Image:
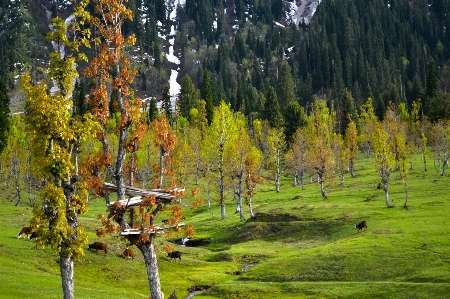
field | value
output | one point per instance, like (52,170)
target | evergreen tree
(4,114)
(166,104)
(207,96)
(285,85)
(271,111)
(432,85)
(79,94)
(295,119)
(153,112)
(187,97)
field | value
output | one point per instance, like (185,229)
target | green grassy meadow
(298,246)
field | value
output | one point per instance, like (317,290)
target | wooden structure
(136,194)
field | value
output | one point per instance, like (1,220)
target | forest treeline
(391,51)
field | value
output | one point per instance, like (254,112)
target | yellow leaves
(131,40)
(82,56)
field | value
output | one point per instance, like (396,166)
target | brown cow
(99,246)
(128,253)
(26,230)
(361,225)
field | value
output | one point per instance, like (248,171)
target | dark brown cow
(25,231)
(362,225)
(128,253)
(99,246)
(174,255)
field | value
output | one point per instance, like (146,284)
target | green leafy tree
(276,145)
(15,161)
(440,141)
(367,125)
(320,155)
(218,147)
(296,158)
(384,159)
(4,114)
(351,135)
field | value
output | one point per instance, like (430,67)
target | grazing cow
(33,236)
(128,253)
(99,246)
(174,255)
(25,231)
(362,225)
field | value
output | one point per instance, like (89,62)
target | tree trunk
(352,170)
(277,183)
(250,208)
(406,198)
(161,164)
(386,195)
(295,178)
(444,165)
(302,180)
(322,190)
(66,267)
(149,253)
(239,194)
(121,154)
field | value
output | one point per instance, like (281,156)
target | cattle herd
(129,253)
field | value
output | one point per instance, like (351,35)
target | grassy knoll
(297,246)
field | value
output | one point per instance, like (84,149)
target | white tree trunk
(149,253)
(66,268)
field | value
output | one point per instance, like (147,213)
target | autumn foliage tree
(56,138)
(110,67)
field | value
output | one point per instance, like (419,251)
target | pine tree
(187,97)
(271,111)
(285,86)
(166,104)
(207,96)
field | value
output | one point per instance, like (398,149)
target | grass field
(297,246)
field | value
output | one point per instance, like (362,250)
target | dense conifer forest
(392,51)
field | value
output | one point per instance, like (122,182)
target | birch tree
(218,146)
(384,159)
(352,146)
(276,145)
(441,144)
(296,158)
(320,155)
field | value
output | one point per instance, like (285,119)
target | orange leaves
(108,227)
(189,231)
(195,192)
(197,203)
(148,201)
(169,247)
